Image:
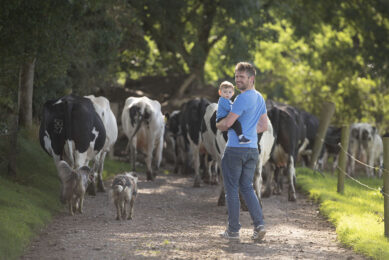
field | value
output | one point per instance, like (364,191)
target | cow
(103,109)
(215,142)
(330,148)
(72,131)
(175,143)
(290,133)
(144,126)
(192,114)
(365,140)
(311,123)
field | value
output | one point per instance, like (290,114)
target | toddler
(226,91)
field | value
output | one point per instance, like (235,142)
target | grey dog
(73,185)
(124,191)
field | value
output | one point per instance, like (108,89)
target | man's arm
(262,124)
(227,122)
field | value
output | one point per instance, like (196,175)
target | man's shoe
(259,233)
(244,140)
(234,236)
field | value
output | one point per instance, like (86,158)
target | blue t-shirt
(249,105)
(223,107)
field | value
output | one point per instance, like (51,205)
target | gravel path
(173,220)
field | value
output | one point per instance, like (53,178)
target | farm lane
(173,220)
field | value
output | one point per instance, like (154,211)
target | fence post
(386,184)
(327,111)
(343,158)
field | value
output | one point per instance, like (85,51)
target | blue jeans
(238,166)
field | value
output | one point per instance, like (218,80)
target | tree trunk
(26,86)
(12,145)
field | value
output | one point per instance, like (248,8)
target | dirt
(173,220)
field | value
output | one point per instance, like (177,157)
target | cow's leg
(100,184)
(133,153)
(353,151)
(222,197)
(292,180)
(334,163)
(258,180)
(70,204)
(149,158)
(269,183)
(370,162)
(196,161)
(158,152)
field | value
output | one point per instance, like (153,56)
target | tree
(185,31)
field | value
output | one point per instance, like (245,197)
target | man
(239,160)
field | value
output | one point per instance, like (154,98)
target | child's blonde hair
(226,84)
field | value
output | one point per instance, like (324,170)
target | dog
(124,191)
(73,185)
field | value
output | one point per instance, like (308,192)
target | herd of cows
(79,131)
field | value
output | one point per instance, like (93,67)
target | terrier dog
(124,191)
(73,185)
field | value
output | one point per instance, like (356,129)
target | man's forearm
(262,124)
(221,125)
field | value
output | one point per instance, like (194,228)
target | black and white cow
(144,126)
(176,148)
(365,141)
(71,130)
(311,123)
(290,133)
(192,113)
(215,142)
(103,109)
(330,148)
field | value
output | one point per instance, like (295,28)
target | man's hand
(262,124)
(226,123)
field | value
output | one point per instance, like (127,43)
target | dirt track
(173,220)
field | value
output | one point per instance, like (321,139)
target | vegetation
(357,215)
(28,202)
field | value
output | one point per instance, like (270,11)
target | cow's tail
(139,121)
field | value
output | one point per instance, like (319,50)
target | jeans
(238,166)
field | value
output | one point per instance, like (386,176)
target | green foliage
(357,215)
(28,201)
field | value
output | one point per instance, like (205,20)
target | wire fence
(351,157)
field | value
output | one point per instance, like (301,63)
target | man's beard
(242,87)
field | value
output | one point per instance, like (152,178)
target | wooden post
(327,111)
(343,158)
(386,184)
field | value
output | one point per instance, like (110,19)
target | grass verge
(357,215)
(29,200)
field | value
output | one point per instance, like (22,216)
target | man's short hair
(226,84)
(246,67)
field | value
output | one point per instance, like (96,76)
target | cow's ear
(374,130)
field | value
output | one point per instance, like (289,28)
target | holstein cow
(144,126)
(290,133)
(192,114)
(175,143)
(311,123)
(215,142)
(103,109)
(330,148)
(365,140)
(71,130)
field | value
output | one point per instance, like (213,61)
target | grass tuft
(357,215)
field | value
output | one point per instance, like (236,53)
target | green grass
(357,215)
(29,200)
